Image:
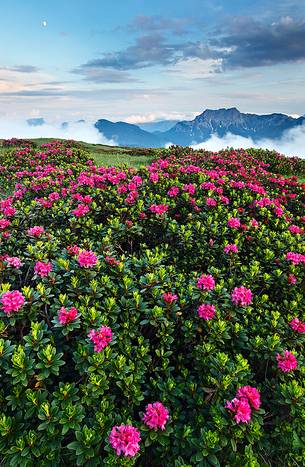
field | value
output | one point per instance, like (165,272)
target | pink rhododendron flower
(9,211)
(295,258)
(206,311)
(12,301)
(154,177)
(241,296)
(81,210)
(168,297)
(252,394)
(87,259)
(158,208)
(125,439)
(206,282)
(54,196)
(286,362)
(241,409)
(13,261)
(42,269)
(100,338)
(67,316)
(211,202)
(297,325)
(234,223)
(4,223)
(231,248)
(36,231)
(73,249)
(292,279)
(173,191)
(295,229)
(254,223)
(156,416)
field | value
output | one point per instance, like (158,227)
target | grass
(113,155)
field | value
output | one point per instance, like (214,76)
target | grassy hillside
(112,155)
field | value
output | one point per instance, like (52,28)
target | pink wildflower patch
(287,361)
(87,259)
(297,325)
(251,394)
(292,279)
(234,223)
(13,261)
(295,258)
(125,439)
(206,311)
(173,191)
(100,338)
(4,223)
(231,248)
(241,409)
(168,297)
(156,416)
(42,269)
(206,282)
(67,316)
(36,231)
(158,208)
(81,210)
(241,296)
(12,301)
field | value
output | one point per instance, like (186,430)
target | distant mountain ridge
(211,122)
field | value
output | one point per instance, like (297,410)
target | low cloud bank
(80,131)
(292,143)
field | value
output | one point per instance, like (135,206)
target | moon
(44,23)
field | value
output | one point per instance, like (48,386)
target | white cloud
(78,131)
(155,116)
(292,143)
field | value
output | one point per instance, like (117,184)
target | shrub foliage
(181,284)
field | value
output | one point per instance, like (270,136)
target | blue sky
(143,61)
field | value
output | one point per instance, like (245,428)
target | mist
(79,131)
(291,144)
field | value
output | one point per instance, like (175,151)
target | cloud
(156,116)
(248,43)
(292,143)
(241,42)
(80,131)
(21,69)
(147,51)
(155,23)
(103,75)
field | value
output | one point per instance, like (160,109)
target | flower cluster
(12,301)
(100,338)
(247,398)
(67,316)
(241,296)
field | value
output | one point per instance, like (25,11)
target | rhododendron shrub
(151,317)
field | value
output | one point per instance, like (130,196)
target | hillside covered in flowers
(151,317)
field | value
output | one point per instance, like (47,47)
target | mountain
(126,134)
(35,121)
(223,121)
(210,122)
(161,125)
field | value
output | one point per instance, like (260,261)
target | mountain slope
(219,122)
(126,134)
(223,121)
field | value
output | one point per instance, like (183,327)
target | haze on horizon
(134,60)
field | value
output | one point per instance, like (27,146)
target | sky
(143,61)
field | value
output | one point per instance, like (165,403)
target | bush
(181,283)
(17,142)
